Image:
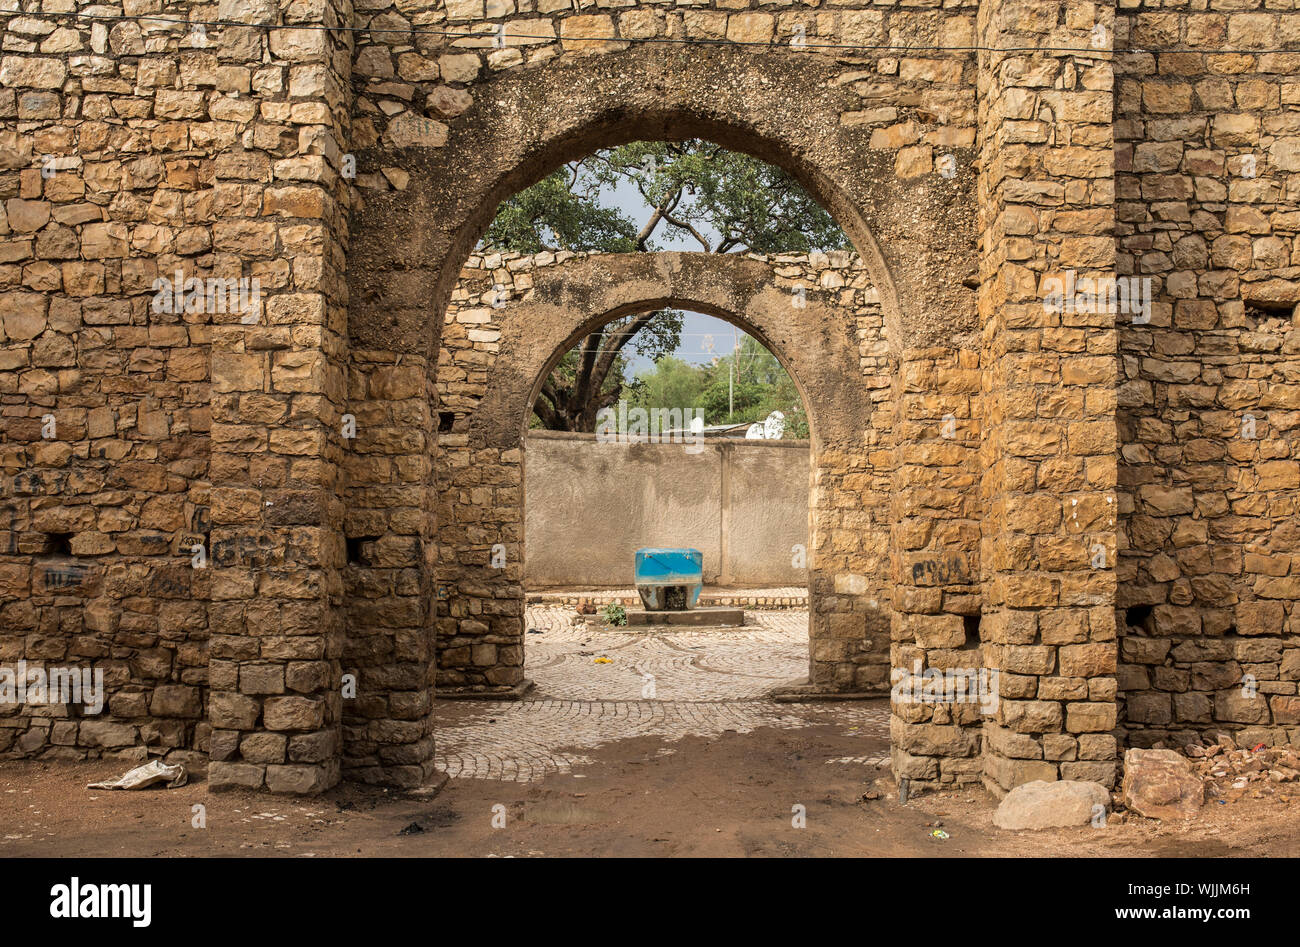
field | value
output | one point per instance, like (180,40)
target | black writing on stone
(64,577)
(263,551)
(940,571)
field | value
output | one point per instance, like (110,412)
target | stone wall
(935,513)
(448,124)
(1136,575)
(102,509)
(1207,183)
(389,528)
(133,149)
(591,504)
(1048,440)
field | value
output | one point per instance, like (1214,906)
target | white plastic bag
(155,771)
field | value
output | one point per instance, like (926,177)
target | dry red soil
(733,796)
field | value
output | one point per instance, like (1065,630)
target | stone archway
(820,319)
(333,538)
(429,190)
(861,133)
(913,229)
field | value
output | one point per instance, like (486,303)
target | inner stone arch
(830,336)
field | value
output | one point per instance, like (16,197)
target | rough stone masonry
(233,510)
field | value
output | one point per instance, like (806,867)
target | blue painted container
(669,579)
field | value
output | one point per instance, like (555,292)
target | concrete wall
(588,506)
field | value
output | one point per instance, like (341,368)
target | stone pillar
(277,404)
(387,727)
(848,613)
(480,468)
(1046,206)
(935,561)
(848,535)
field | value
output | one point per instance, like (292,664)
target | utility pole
(731,368)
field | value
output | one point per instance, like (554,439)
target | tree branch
(689,228)
(582,383)
(548,391)
(648,229)
(615,342)
(550,420)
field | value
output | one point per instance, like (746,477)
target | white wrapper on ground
(155,771)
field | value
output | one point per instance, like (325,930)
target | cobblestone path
(596,686)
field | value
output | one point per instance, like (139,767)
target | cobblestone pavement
(567,658)
(788,596)
(596,686)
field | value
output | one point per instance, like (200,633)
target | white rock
(1044,805)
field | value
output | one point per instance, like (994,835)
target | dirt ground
(731,796)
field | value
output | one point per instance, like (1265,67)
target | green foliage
(730,400)
(759,386)
(564,375)
(669,383)
(562,382)
(614,614)
(721,200)
(578,387)
(660,336)
(551,215)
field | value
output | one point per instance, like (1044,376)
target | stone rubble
(1231,773)
(1160,784)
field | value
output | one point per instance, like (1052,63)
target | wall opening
(696,194)
(698,448)
(1139,616)
(358,549)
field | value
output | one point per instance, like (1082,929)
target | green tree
(670,383)
(743,388)
(722,200)
(560,212)
(693,190)
(591,375)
